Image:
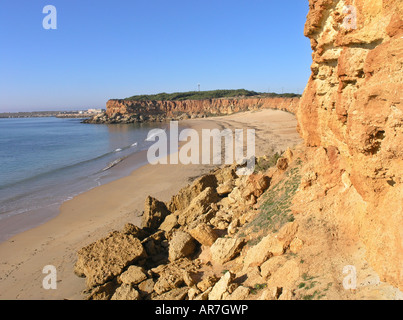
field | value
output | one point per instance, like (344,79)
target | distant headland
(80,114)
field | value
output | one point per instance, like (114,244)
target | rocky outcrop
(126,111)
(353,106)
(162,260)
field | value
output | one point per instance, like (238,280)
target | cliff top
(214,94)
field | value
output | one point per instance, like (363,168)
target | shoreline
(92,214)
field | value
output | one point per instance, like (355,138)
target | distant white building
(94,110)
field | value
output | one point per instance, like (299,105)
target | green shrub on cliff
(201,95)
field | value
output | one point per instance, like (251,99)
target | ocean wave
(64,168)
(113,163)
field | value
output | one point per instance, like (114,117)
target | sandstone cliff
(126,111)
(352,107)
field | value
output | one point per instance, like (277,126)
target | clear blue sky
(115,49)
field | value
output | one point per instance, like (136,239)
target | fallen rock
(235,196)
(199,206)
(225,188)
(226,174)
(169,224)
(225,249)
(204,295)
(102,292)
(204,234)
(135,231)
(282,164)
(193,293)
(185,196)
(169,281)
(240,293)
(105,259)
(174,275)
(126,292)
(182,245)
(133,275)
(221,286)
(154,247)
(207,282)
(146,287)
(271,245)
(154,213)
(256,185)
(175,294)
(271,293)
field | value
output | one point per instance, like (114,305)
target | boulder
(105,259)
(146,287)
(153,245)
(135,231)
(226,174)
(174,275)
(182,245)
(282,164)
(169,281)
(256,185)
(126,292)
(102,292)
(225,188)
(240,293)
(175,294)
(185,196)
(207,282)
(271,293)
(154,213)
(169,224)
(271,245)
(199,206)
(204,295)
(204,234)
(133,275)
(221,287)
(225,249)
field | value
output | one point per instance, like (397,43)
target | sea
(46,161)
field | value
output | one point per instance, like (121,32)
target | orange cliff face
(127,111)
(353,106)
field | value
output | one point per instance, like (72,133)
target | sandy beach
(91,215)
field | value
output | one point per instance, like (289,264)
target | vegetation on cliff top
(215,94)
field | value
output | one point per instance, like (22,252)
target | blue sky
(115,49)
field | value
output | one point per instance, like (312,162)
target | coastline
(91,215)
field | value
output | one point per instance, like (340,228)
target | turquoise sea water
(45,161)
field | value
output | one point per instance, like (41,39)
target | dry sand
(91,215)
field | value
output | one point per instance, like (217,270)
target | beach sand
(93,214)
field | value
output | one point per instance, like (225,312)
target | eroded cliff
(352,108)
(126,111)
